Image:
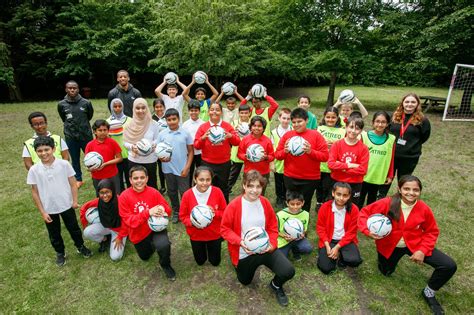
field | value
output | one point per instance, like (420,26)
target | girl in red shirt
(337,230)
(257,127)
(205,243)
(414,233)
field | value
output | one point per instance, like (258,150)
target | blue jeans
(75,147)
(302,246)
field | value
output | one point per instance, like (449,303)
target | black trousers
(155,241)
(324,190)
(369,191)
(161,175)
(444,266)
(207,250)
(221,176)
(151,169)
(349,255)
(54,230)
(401,166)
(275,261)
(195,164)
(235,169)
(304,186)
(123,174)
(280,188)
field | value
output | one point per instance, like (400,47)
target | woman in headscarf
(142,126)
(101,220)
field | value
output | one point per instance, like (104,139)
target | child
(236,163)
(116,133)
(76,112)
(347,109)
(200,96)
(349,158)
(54,192)
(39,123)
(136,205)
(231,111)
(381,149)
(172,100)
(257,110)
(205,243)
(294,203)
(191,126)
(304,102)
(337,231)
(111,153)
(414,233)
(256,136)
(110,228)
(253,210)
(301,173)
(176,168)
(332,131)
(277,166)
(159,117)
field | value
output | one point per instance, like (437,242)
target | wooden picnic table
(432,101)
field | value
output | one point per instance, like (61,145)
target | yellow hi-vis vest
(31,149)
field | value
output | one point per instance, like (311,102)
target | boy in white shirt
(191,126)
(172,99)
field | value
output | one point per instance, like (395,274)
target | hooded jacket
(76,114)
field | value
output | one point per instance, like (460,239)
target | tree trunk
(14,92)
(332,88)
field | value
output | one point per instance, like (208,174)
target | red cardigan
(231,227)
(122,230)
(325,225)
(419,232)
(134,210)
(341,154)
(216,201)
(305,166)
(219,153)
(263,167)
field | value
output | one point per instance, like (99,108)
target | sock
(429,292)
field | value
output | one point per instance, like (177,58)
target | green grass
(31,282)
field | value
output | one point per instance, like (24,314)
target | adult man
(124,91)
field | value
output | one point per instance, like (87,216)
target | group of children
(339,161)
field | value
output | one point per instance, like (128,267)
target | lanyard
(403,127)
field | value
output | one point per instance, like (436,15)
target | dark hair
(358,122)
(174,86)
(396,202)
(284,110)
(346,186)
(244,108)
(293,195)
(387,118)
(158,101)
(71,82)
(171,112)
(299,113)
(43,140)
(356,114)
(137,168)
(122,70)
(194,104)
(260,119)
(254,175)
(331,109)
(304,96)
(200,89)
(99,123)
(201,169)
(219,104)
(35,115)
(231,99)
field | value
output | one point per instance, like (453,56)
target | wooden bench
(432,102)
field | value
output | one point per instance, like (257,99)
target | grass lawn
(32,283)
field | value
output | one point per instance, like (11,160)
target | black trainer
(60,259)
(105,244)
(162,190)
(433,303)
(84,251)
(280,294)
(170,273)
(297,256)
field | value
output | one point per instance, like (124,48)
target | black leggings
(323,192)
(370,191)
(204,250)
(305,186)
(54,230)
(158,241)
(444,266)
(275,261)
(349,254)
(221,176)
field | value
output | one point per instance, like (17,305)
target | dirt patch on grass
(364,298)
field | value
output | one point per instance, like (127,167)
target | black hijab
(109,211)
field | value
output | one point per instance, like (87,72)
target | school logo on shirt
(140,206)
(348,157)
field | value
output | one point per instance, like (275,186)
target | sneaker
(60,259)
(104,244)
(280,294)
(170,273)
(341,264)
(433,303)
(297,256)
(162,190)
(79,183)
(84,251)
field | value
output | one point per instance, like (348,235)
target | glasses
(39,124)
(105,193)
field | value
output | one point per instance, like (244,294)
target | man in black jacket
(124,91)
(76,112)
